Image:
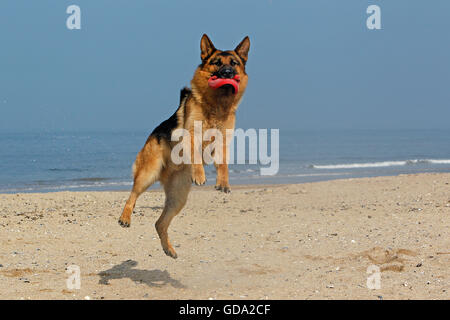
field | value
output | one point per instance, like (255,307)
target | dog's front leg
(198,172)
(221,164)
(222,178)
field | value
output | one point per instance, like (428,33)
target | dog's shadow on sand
(152,278)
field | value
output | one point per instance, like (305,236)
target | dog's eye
(234,63)
(216,62)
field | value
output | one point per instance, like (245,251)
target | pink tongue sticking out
(214,82)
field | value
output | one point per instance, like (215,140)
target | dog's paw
(198,181)
(123,223)
(170,252)
(225,189)
(199,178)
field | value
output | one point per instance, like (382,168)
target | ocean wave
(66,169)
(91,185)
(442,161)
(92,179)
(62,187)
(381,164)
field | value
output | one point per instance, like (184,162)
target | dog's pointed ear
(242,49)
(206,47)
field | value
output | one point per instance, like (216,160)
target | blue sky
(313,64)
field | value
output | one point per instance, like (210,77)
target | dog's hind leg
(176,187)
(146,170)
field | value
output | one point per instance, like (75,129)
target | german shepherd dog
(218,85)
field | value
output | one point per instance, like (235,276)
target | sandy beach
(303,241)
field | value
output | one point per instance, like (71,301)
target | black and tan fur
(216,109)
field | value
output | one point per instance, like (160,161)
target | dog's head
(221,75)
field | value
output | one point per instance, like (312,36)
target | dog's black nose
(227,72)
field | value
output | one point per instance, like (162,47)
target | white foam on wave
(68,187)
(442,161)
(90,185)
(381,164)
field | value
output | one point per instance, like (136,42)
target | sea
(97,161)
